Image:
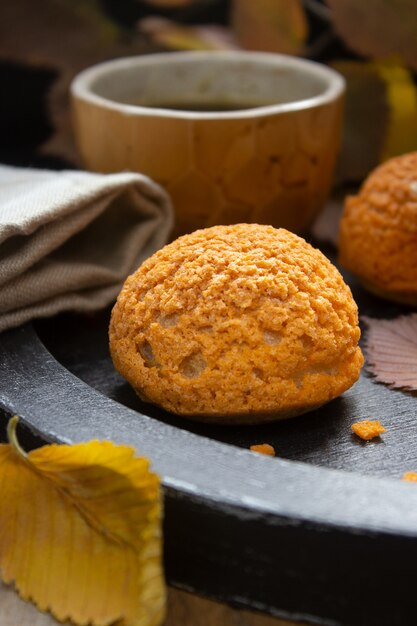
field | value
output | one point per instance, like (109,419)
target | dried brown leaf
(378,28)
(391,350)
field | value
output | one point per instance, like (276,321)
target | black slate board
(302,540)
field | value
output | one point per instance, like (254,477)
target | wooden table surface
(184,609)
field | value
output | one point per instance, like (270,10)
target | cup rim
(81,85)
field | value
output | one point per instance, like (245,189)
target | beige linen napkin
(69,239)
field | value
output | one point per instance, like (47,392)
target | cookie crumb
(368,429)
(263,448)
(410,476)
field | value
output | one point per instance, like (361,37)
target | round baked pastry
(237,324)
(378,233)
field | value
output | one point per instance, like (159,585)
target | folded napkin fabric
(69,239)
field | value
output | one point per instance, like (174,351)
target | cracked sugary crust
(237,324)
(378,235)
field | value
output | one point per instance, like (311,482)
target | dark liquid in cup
(201,107)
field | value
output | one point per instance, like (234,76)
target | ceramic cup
(271,162)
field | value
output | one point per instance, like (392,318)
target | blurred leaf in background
(64,36)
(366,118)
(175,36)
(378,28)
(380,115)
(270,25)
(401,89)
(169,3)
(373,43)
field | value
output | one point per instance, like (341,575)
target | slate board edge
(263,510)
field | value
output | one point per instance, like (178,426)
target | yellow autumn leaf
(80,532)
